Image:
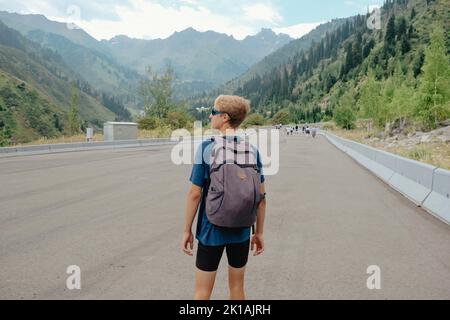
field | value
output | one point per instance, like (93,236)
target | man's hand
(187,245)
(257,244)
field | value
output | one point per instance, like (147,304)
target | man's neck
(228,131)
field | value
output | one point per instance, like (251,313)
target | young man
(227,115)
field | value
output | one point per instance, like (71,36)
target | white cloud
(262,12)
(150,20)
(191,2)
(298,30)
(28,7)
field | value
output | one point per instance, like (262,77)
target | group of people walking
(305,129)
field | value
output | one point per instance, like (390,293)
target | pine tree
(413,14)
(403,35)
(357,52)
(389,38)
(348,64)
(418,63)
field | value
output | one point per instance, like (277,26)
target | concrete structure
(425,185)
(79,146)
(438,202)
(90,134)
(115,131)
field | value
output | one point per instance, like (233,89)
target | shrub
(344,116)
(255,119)
(178,119)
(148,123)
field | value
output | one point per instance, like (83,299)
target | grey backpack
(234,192)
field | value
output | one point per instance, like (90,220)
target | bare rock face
(425,138)
(446,123)
(413,138)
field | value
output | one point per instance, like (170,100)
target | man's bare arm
(193,200)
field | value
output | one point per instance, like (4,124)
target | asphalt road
(118,215)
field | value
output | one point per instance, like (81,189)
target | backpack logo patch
(242,175)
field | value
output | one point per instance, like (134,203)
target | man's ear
(226,117)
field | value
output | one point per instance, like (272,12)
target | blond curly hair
(236,107)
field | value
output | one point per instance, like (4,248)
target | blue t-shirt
(207,233)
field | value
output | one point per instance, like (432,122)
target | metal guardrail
(427,186)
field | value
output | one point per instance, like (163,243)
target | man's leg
(207,262)
(236,283)
(204,284)
(237,260)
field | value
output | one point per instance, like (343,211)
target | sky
(152,19)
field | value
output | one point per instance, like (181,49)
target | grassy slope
(26,112)
(57,90)
(98,69)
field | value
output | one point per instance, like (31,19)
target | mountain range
(209,58)
(49,59)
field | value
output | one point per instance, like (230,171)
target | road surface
(118,215)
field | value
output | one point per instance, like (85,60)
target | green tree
(389,38)
(403,35)
(344,114)
(399,99)
(148,123)
(348,64)
(178,119)
(4,137)
(418,63)
(369,102)
(74,119)
(57,123)
(255,119)
(157,92)
(435,82)
(281,117)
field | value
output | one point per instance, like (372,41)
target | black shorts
(208,257)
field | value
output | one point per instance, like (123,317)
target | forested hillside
(285,54)
(36,76)
(393,76)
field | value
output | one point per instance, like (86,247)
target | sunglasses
(215,112)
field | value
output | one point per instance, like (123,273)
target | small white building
(115,131)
